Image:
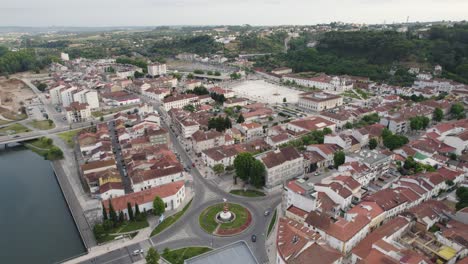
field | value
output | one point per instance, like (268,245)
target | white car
(137,252)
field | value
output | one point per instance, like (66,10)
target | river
(36,224)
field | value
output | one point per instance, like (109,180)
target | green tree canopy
(158,206)
(152,256)
(338,158)
(438,114)
(373,143)
(218,168)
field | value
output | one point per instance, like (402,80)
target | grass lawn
(169,221)
(131,226)
(105,238)
(248,193)
(68,137)
(42,125)
(14,129)
(207,217)
(272,223)
(179,255)
(4,122)
(126,227)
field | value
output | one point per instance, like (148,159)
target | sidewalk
(270,243)
(143,235)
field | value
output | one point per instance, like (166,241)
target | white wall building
(156,69)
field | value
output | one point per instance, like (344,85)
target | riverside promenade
(76,210)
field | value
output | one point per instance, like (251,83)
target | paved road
(118,157)
(187,232)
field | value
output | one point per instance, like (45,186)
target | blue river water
(36,224)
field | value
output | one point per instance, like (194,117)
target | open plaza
(262,91)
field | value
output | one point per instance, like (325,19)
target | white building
(146,179)
(172,194)
(156,94)
(67,96)
(77,112)
(157,69)
(322,82)
(56,94)
(179,101)
(64,56)
(87,96)
(319,101)
(282,165)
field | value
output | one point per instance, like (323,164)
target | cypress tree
(130,211)
(137,212)
(112,214)
(121,217)
(104,213)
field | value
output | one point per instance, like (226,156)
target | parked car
(267,213)
(254,238)
(137,252)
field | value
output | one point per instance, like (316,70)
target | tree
(138,215)
(101,118)
(152,256)
(242,164)
(395,141)
(453,156)
(158,206)
(458,111)
(112,214)
(235,76)
(462,195)
(121,217)
(284,99)
(348,125)
(373,143)
(138,74)
(104,214)
(54,153)
(41,87)
(98,230)
(190,76)
(130,212)
(189,108)
(438,114)
(227,123)
(338,158)
(257,174)
(240,119)
(386,132)
(218,168)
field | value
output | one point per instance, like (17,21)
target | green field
(179,255)
(42,125)
(170,220)
(68,137)
(14,129)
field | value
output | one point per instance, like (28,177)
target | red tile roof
(342,230)
(145,196)
(363,248)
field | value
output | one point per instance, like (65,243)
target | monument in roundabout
(225,216)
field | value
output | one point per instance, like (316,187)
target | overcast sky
(223,12)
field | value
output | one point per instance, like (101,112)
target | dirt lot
(13,93)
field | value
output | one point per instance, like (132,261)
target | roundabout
(225,219)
